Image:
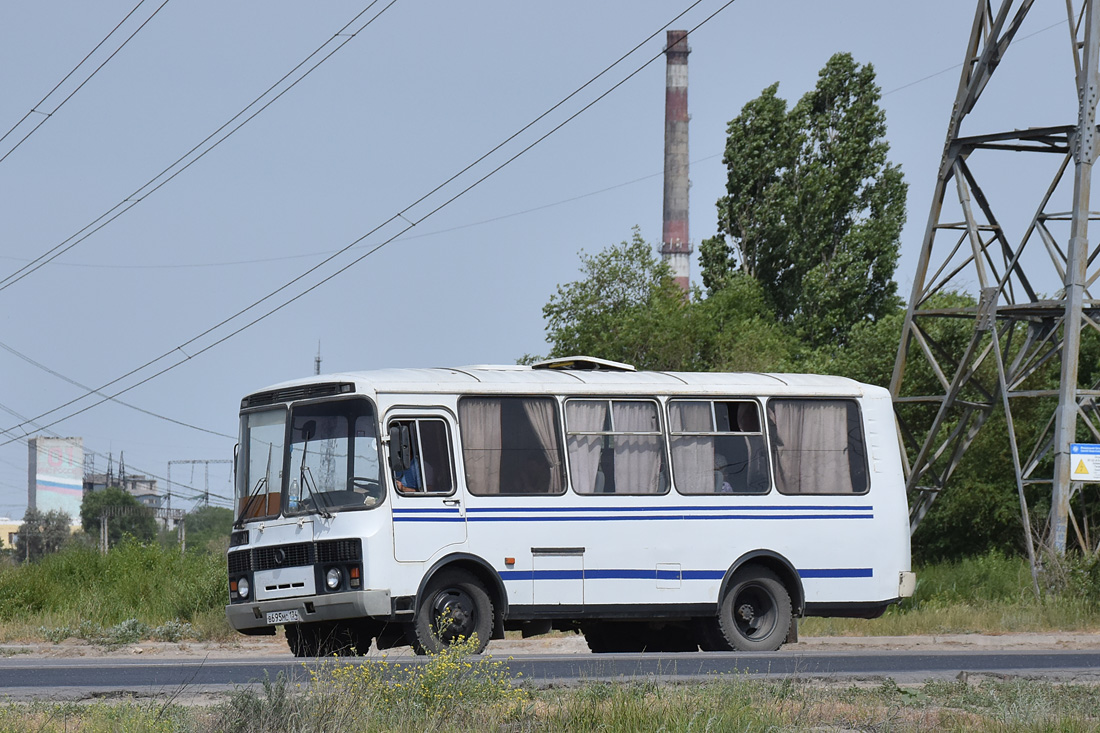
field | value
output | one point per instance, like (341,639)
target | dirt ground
(275,646)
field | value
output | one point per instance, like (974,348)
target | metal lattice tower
(1008,337)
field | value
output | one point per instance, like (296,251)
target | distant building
(55,470)
(136,485)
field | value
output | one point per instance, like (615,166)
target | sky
(354,153)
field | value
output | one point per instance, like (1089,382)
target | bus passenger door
(429,513)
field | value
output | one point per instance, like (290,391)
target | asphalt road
(31,678)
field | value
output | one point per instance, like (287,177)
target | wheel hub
(746,611)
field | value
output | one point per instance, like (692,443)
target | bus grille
(283,556)
(240,562)
(339,551)
(296,555)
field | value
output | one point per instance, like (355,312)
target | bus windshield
(334,459)
(260,472)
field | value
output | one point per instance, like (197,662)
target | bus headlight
(332,578)
(242,588)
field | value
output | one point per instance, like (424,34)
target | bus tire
(708,632)
(455,606)
(755,614)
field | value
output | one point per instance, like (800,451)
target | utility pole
(1017,338)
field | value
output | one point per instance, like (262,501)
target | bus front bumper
(307,609)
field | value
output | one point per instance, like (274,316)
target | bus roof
(496,379)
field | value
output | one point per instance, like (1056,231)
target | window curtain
(585,416)
(811,446)
(481,444)
(637,457)
(693,463)
(541,415)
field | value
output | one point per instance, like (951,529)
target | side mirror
(309,429)
(400,448)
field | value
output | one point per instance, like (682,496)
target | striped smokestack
(675,244)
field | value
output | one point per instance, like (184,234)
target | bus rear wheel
(755,613)
(455,607)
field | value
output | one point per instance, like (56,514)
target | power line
(149,188)
(956,67)
(48,115)
(399,215)
(90,390)
(471,224)
(435,233)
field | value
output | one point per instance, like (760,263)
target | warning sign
(1084,462)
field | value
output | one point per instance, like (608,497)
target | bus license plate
(283,617)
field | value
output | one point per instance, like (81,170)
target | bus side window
(718,447)
(615,447)
(818,446)
(430,470)
(511,445)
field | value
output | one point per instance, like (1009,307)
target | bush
(133,587)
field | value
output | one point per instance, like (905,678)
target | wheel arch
(483,571)
(779,565)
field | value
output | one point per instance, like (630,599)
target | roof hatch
(585,364)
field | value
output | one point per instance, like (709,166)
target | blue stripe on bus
(668,517)
(630,574)
(836,573)
(694,508)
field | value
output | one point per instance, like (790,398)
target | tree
(627,308)
(813,209)
(139,525)
(208,525)
(42,533)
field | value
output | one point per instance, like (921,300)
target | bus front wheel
(455,607)
(755,614)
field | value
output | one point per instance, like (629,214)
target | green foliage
(813,209)
(453,690)
(138,525)
(147,583)
(627,308)
(42,533)
(208,528)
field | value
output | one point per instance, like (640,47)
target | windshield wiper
(303,470)
(306,477)
(248,502)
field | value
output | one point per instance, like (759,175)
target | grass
(134,592)
(354,698)
(139,592)
(991,594)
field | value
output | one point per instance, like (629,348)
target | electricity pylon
(1002,345)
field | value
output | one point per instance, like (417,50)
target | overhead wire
(483,221)
(48,115)
(138,196)
(399,215)
(90,390)
(25,439)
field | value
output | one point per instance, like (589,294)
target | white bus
(652,511)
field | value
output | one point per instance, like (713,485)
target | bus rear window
(511,445)
(818,446)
